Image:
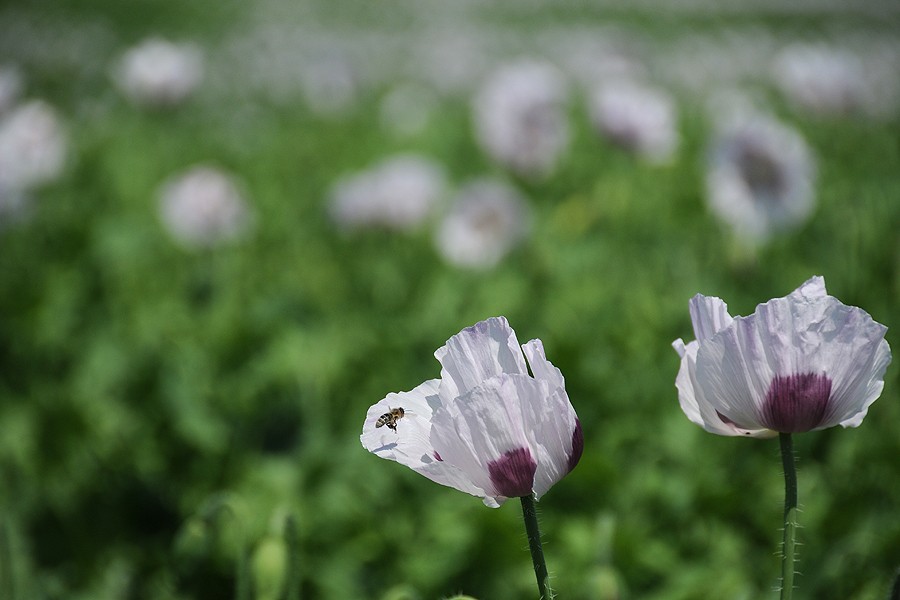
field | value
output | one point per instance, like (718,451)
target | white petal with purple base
(798,363)
(488,427)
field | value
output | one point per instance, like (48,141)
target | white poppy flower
(520,117)
(203,206)
(485,221)
(760,177)
(829,80)
(32,146)
(487,427)
(159,73)
(638,118)
(33,149)
(799,363)
(398,193)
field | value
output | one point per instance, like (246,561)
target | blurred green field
(164,412)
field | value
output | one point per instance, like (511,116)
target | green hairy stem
(790,515)
(529,514)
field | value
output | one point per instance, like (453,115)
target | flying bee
(390,418)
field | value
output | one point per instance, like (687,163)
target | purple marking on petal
(513,473)
(728,421)
(796,403)
(438,456)
(577,445)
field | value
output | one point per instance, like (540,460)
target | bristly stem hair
(534,544)
(790,515)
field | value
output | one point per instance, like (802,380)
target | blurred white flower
(32,147)
(760,177)
(832,81)
(33,151)
(398,193)
(520,117)
(10,87)
(487,427)
(798,363)
(486,220)
(159,73)
(637,117)
(202,207)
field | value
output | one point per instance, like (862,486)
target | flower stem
(292,586)
(243,582)
(7,570)
(790,515)
(529,514)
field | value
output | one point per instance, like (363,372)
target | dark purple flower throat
(513,473)
(796,403)
(577,445)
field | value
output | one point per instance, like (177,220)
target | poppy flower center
(763,175)
(513,473)
(796,403)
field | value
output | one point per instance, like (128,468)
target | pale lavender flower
(158,73)
(485,221)
(637,117)
(203,207)
(32,146)
(760,177)
(520,117)
(399,193)
(799,363)
(489,426)
(827,80)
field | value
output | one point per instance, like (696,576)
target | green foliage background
(163,412)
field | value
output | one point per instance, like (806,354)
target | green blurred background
(165,412)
